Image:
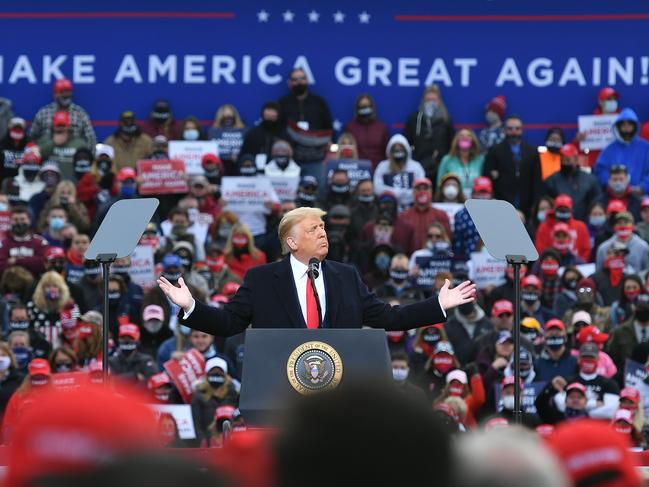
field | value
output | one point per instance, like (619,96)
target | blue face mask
(23,356)
(191,134)
(540,215)
(575,413)
(127,191)
(57,223)
(597,220)
(382,261)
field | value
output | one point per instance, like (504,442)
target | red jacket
(371,139)
(421,220)
(578,229)
(28,251)
(240,266)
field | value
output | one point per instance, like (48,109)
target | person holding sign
(280,294)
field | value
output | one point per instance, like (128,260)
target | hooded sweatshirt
(634,154)
(399,183)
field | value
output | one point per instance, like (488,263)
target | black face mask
(514,139)
(216,380)
(248,170)
(466,309)
(553,147)
(530,298)
(399,155)
(30,174)
(129,129)
(270,125)
(19,229)
(340,188)
(563,215)
(555,343)
(127,348)
(104,166)
(81,167)
(570,284)
(282,161)
(398,275)
(365,112)
(299,90)
(18,325)
(566,169)
(172,277)
(431,338)
(641,314)
(306,199)
(160,117)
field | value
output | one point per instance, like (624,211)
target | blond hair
(291,219)
(51,278)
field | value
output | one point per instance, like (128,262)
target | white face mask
(5,362)
(508,402)
(400,374)
(450,191)
(609,106)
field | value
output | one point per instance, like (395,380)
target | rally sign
(161,177)
(182,414)
(191,152)
(185,372)
(247,194)
(229,142)
(485,270)
(430,266)
(530,391)
(357,170)
(285,187)
(142,264)
(635,375)
(598,130)
(5,223)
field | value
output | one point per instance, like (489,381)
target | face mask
(104,166)
(423,198)
(597,220)
(340,188)
(530,298)
(172,277)
(3,206)
(239,241)
(450,191)
(508,403)
(641,315)
(23,356)
(17,134)
(52,294)
(365,112)
(127,348)
(129,129)
(30,174)
(563,215)
(566,169)
(553,147)
(555,343)
(299,90)
(63,367)
(114,297)
(160,117)
(365,198)
(248,170)
(400,375)
(399,155)
(227,121)
(127,191)
(587,366)
(282,161)
(609,106)
(456,390)
(5,363)
(92,272)
(162,396)
(39,382)
(398,275)
(382,261)
(308,197)
(270,125)
(466,309)
(64,101)
(216,380)
(152,326)
(561,246)
(465,144)
(430,108)
(492,118)
(525,373)
(631,294)
(81,167)
(56,223)
(120,270)
(191,134)
(570,284)
(443,363)
(574,413)
(623,428)
(617,186)
(624,232)
(19,229)
(540,215)
(513,139)
(18,325)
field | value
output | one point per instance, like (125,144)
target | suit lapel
(285,288)
(333,287)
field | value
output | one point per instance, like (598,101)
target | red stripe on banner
(477,126)
(520,18)
(116,15)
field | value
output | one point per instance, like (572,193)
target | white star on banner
(262,16)
(339,17)
(288,16)
(337,125)
(364,17)
(313,16)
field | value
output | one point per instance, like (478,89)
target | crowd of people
(585,302)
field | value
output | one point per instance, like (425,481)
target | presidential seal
(314,367)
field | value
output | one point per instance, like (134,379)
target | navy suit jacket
(268,299)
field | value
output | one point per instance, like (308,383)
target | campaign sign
(182,413)
(69,381)
(357,170)
(142,264)
(598,130)
(161,177)
(191,152)
(285,187)
(185,372)
(635,376)
(247,194)
(229,142)
(5,223)
(530,391)
(485,270)
(430,266)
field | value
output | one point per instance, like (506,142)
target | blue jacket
(633,154)
(547,369)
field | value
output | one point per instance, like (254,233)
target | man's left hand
(460,294)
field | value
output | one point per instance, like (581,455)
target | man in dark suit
(515,168)
(280,295)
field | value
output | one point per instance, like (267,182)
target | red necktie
(311,306)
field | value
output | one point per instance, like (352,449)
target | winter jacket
(28,251)
(582,187)
(578,231)
(371,139)
(128,153)
(547,369)
(467,173)
(430,138)
(421,220)
(79,123)
(465,345)
(637,258)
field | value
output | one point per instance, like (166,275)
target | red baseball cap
(39,366)
(498,422)
(591,334)
(158,380)
(211,158)
(563,200)
(590,449)
(576,386)
(531,280)
(607,92)
(568,150)
(644,203)
(510,381)
(561,227)
(129,330)
(498,105)
(94,423)
(502,306)
(419,181)
(126,173)
(224,412)
(61,119)
(555,323)
(544,430)
(230,288)
(615,206)
(630,393)
(63,84)
(482,183)
(86,329)
(54,253)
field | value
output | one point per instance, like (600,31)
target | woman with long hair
(227,117)
(88,344)
(191,129)
(371,134)
(240,251)
(222,228)
(622,308)
(65,195)
(10,376)
(464,160)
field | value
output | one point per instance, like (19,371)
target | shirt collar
(299,269)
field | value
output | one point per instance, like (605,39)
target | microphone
(314,266)
(313,272)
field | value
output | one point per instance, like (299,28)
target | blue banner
(549,59)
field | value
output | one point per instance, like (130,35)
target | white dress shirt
(301,278)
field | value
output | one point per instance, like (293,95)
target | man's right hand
(559,383)
(179,295)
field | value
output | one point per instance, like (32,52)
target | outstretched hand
(460,294)
(179,295)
